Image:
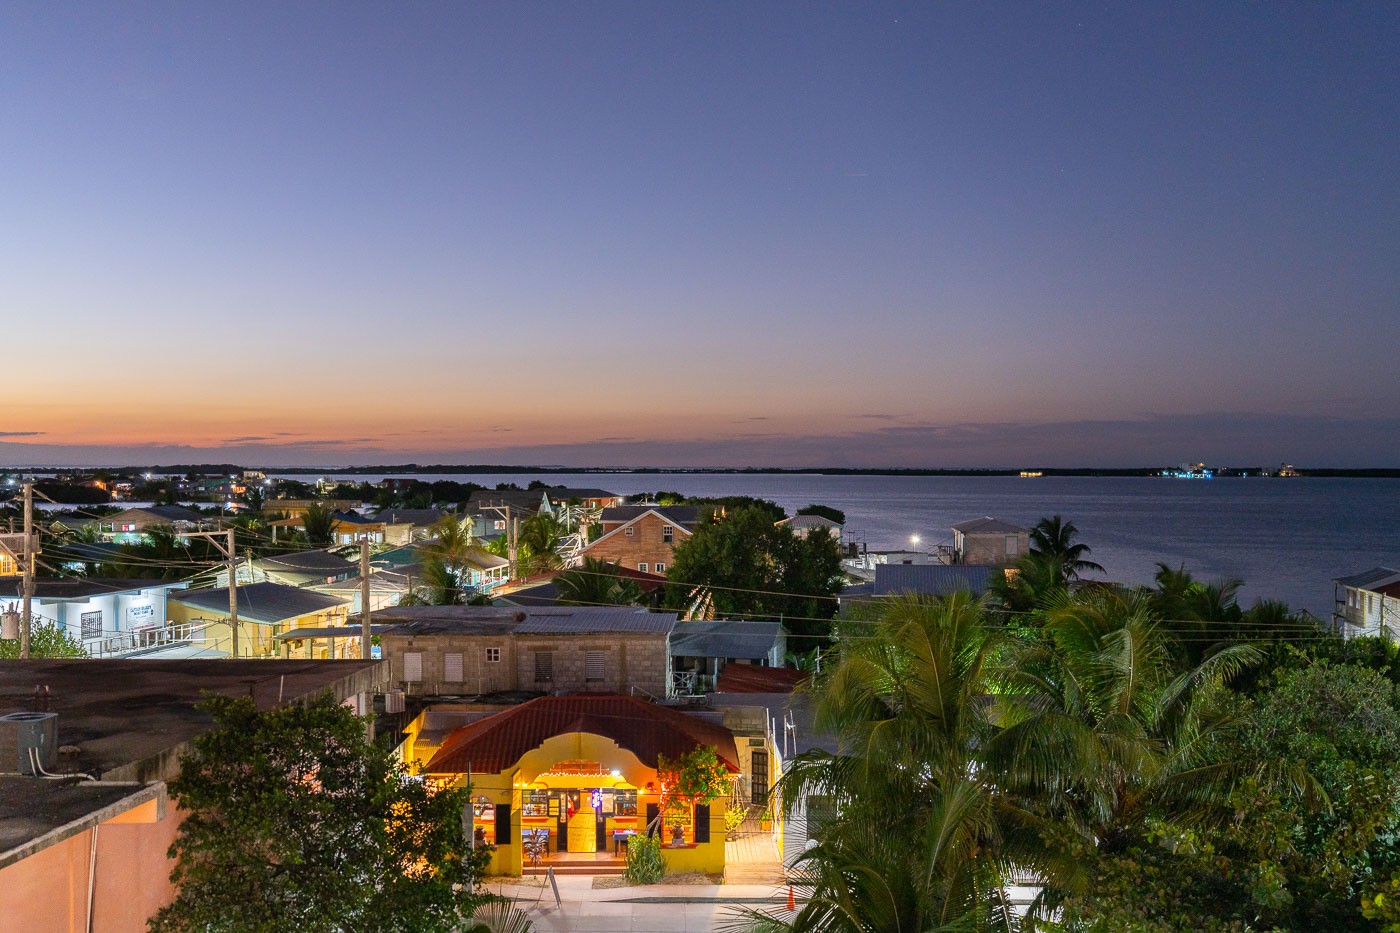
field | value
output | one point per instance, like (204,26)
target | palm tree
(540,537)
(597,583)
(922,838)
(1055,537)
(318,522)
(1105,729)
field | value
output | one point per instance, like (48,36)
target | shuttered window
(544,667)
(452,667)
(413,666)
(593,666)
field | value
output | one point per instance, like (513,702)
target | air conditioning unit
(19,732)
(394,701)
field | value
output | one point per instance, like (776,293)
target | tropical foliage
(1154,759)
(597,582)
(295,821)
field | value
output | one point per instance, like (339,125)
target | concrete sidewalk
(652,908)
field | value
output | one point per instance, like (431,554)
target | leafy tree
(749,566)
(825,511)
(46,640)
(1054,537)
(296,822)
(597,583)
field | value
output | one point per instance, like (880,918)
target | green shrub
(644,864)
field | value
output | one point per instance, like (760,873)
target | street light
(914,540)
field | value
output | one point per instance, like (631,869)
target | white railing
(122,643)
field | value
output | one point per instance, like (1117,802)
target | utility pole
(231,558)
(232,595)
(512,533)
(26,614)
(364,598)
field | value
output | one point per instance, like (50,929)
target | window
(625,803)
(534,803)
(413,666)
(642,566)
(660,567)
(628,531)
(493,655)
(499,524)
(1012,546)
(544,667)
(593,666)
(667,533)
(452,667)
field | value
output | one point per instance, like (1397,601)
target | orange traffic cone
(792,901)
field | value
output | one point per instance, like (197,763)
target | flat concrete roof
(131,720)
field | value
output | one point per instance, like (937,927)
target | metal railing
(122,643)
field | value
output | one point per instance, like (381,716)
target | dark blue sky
(722,234)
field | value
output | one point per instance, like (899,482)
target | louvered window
(452,667)
(413,666)
(544,667)
(593,666)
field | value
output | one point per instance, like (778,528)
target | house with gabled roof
(265,610)
(130,525)
(1368,603)
(803,525)
(564,782)
(989,541)
(643,537)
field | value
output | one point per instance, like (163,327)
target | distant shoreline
(469,469)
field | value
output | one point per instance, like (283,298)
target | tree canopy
(294,821)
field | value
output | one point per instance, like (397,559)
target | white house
(109,617)
(1368,603)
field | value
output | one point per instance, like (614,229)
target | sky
(684,234)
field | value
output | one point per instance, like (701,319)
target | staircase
(611,866)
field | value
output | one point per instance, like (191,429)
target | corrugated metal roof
(987,525)
(1376,576)
(724,639)
(751,678)
(261,602)
(493,744)
(306,560)
(930,579)
(526,620)
(680,514)
(587,620)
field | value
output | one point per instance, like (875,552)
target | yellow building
(565,782)
(265,610)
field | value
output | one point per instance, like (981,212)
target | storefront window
(535,803)
(625,803)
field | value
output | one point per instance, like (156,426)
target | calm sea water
(1287,539)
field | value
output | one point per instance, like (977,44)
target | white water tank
(20,732)
(9,625)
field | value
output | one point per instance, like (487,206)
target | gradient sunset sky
(709,234)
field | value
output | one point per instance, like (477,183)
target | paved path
(652,908)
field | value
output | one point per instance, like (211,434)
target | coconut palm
(540,538)
(1055,537)
(923,838)
(597,583)
(1104,728)
(318,522)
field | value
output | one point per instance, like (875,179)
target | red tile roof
(753,678)
(495,743)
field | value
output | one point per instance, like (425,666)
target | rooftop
(1376,576)
(495,743)
(261,602)
(931,579)
(312,561)
(751,678)
(987,525)
(86,588)
(680,514)
(130,720)
(416,621)
(719,638)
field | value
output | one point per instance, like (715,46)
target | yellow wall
(254,638)
(509,786)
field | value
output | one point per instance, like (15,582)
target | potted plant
(765,819)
